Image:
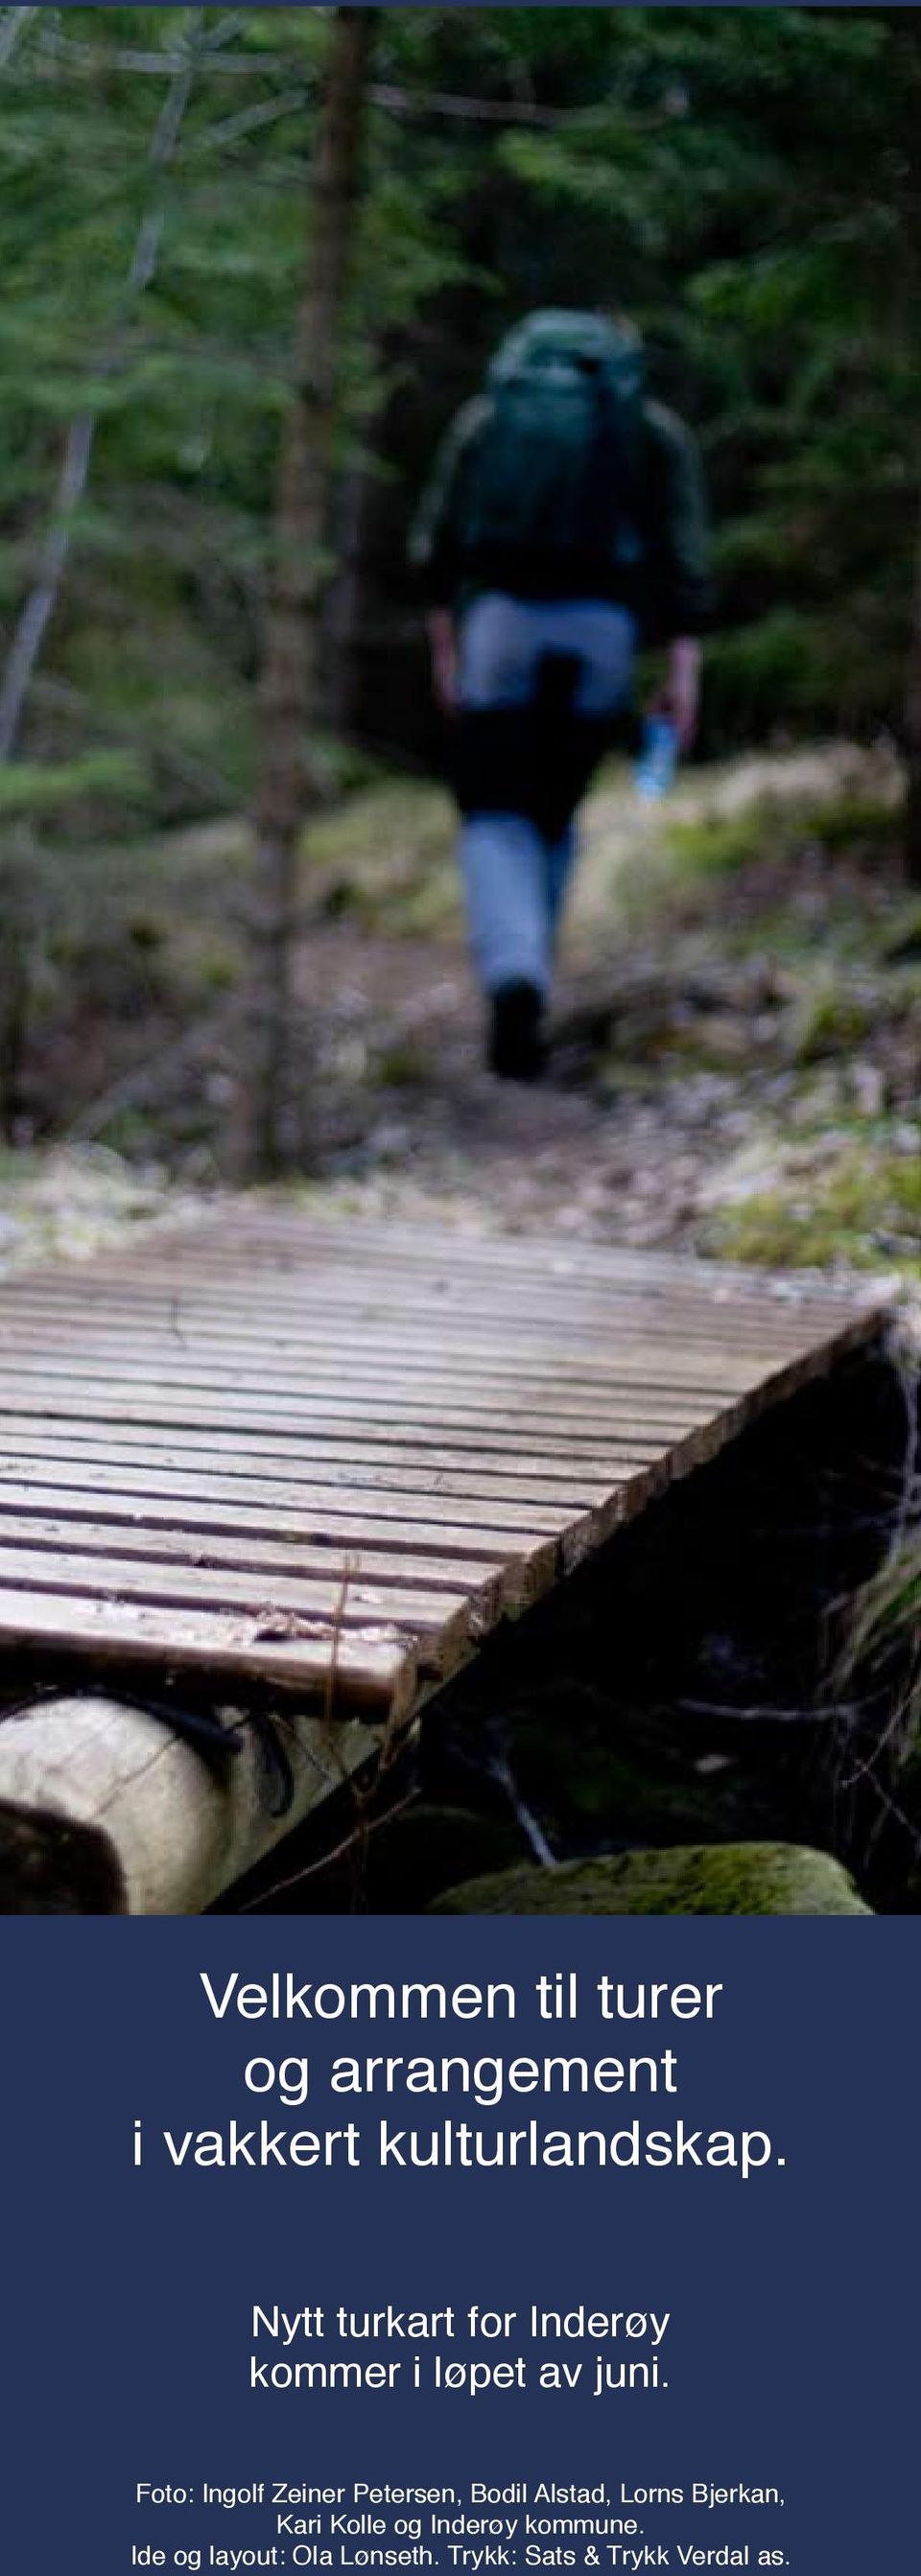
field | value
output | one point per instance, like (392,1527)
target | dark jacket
(670,589)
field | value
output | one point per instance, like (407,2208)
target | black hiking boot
(517,1047)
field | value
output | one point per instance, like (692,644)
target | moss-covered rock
(701,1878)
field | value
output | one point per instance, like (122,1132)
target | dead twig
(340,1851)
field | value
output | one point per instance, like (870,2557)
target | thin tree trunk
(913,736)
(39,607)
(13,25)
(289,692)
(17,877)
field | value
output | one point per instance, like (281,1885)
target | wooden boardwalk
(331,1457)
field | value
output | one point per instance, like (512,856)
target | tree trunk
(17,880)
(289,692)
(54,551)
(13,25)
(913,736)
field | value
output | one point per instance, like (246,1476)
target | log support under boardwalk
(104,1810)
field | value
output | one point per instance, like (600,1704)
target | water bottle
(658,760)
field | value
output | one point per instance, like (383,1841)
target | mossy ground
(866,1209)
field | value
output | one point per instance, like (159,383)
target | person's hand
(444,659)
(679,700)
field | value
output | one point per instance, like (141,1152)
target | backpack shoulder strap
(437,515)
(677,520)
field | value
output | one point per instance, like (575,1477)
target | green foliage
(632,156)
(771,669)
(846,822)
(881,1639)
(385,856)
(719,845)
(860,1211)
(31,788)
(830,1021)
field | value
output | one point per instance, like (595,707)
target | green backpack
(547,499)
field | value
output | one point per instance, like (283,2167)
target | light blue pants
(516,880)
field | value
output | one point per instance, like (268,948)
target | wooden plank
(383,1422)
(370,1670)
(627,1419)
(351,1330)
(238,1248)
(175,1305)
(347,1513)
(247,1458)
(152,1534)
(324,1614)
(249,1293)
(212,1259)
(479,1331)
(161,1405)
(258,1303)
(620,1407)
(507,1583)
(386,1507)
(386,1393)
(436,1468)
(523,1562)
(560,1392)
(328,1461)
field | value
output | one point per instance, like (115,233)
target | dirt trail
(663,1071)
(715,1024)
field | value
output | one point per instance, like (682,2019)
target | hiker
(565,517)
